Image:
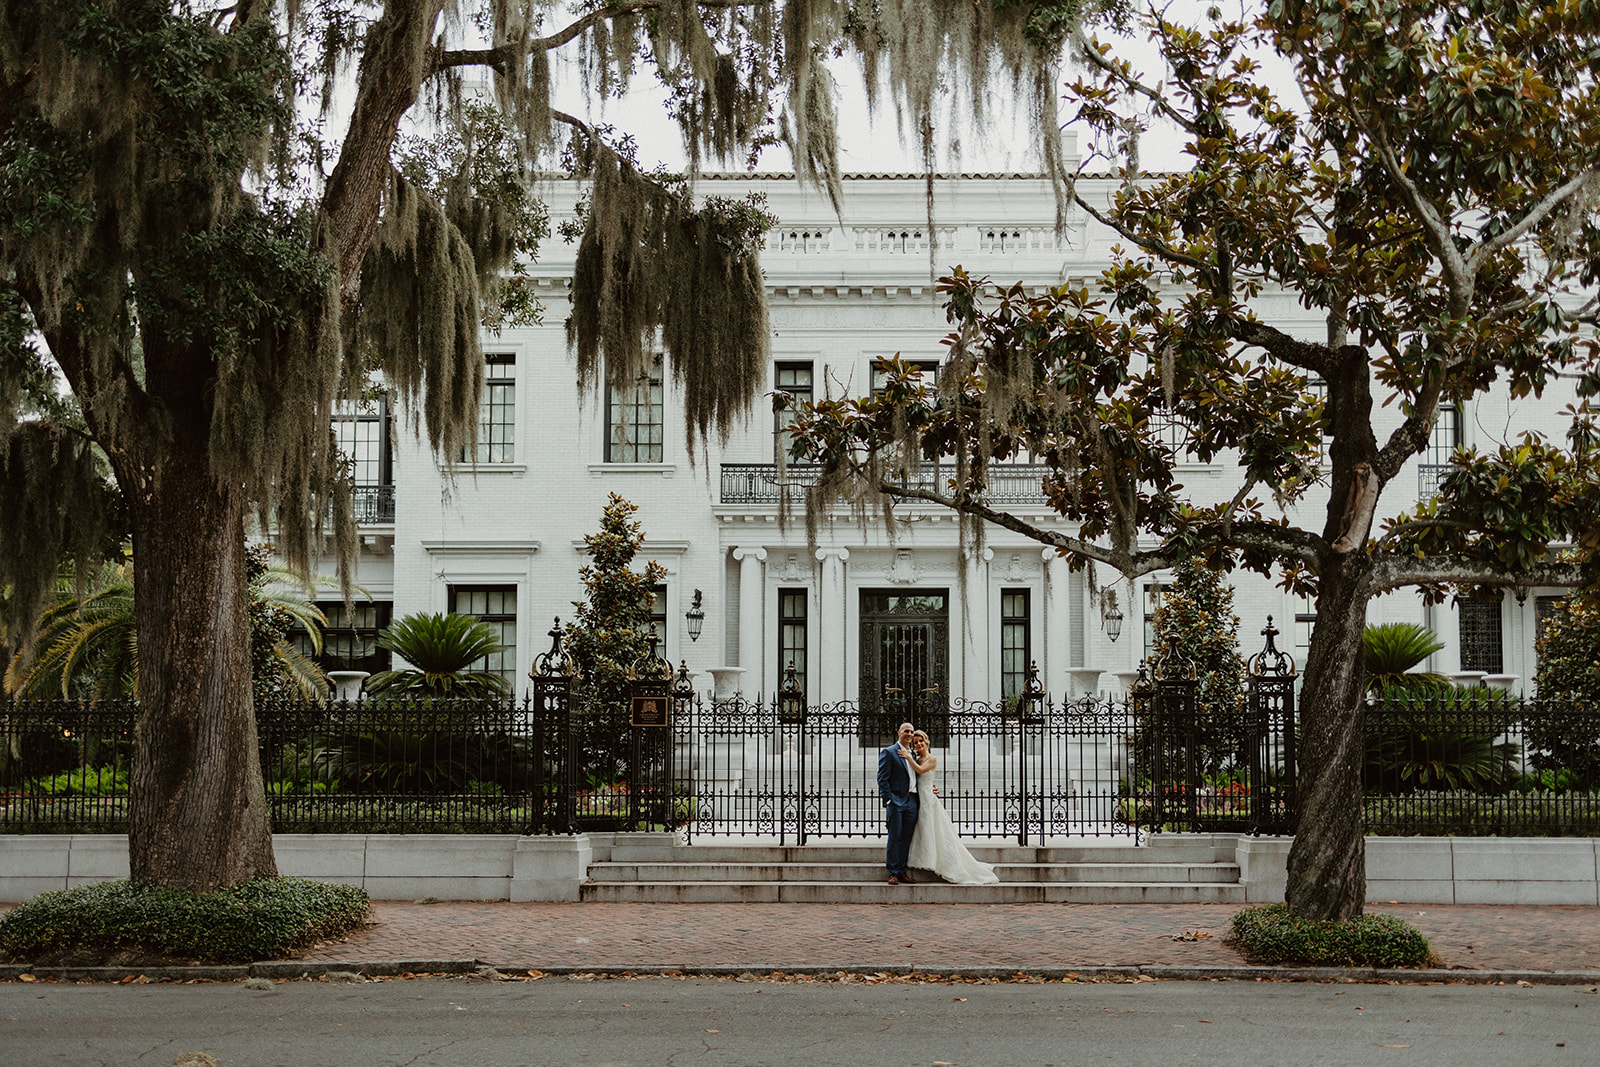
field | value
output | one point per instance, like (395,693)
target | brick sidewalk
(1478,937)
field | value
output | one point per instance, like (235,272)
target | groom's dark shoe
(906,879)
(895,879)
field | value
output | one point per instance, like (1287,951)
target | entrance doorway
(905,664)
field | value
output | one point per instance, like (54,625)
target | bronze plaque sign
(650,711)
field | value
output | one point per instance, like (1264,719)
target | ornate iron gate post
(1031,712)
(792,713)
(1146,740)
(649,725)
(1176,754)
(681,800)
(555,775)
(1273,806)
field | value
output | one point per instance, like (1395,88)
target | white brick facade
(842,294)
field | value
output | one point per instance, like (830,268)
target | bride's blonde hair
(922,735)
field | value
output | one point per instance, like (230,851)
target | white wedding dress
(935,846)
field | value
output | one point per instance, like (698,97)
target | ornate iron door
(905,664)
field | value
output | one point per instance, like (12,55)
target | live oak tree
(1431,194)
(211,227)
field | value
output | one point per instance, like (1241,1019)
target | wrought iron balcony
(757,483)
(373,505)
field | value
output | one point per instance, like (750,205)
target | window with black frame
(497,606)
(792,609)
(497,411)
(1015,651)
(1442,443)
(350,638)
(361,433)
(636,419)
(1481,647)
(926,369)
(793,379)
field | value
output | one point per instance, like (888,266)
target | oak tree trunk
(1328,862)
(198,816)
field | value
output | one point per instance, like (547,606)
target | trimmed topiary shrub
(119,921)
(1269,935)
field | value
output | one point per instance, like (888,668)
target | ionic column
(833,617)
(1057,626)
(978,640)
(752,621)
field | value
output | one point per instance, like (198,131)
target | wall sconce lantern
(1113,623)
(696,616)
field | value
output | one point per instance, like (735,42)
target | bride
(934,844)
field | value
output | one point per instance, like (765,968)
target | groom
(897,785)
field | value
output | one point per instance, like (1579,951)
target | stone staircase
(641,870)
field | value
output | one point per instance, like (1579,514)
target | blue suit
(901,802)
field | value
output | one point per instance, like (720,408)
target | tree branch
(1484,249)
(1396,570)
(1284,542)
(1306,355)
(1110,66)
(496,57)
(1458,275)
(1154,247)
(1411,436)
(1421,524)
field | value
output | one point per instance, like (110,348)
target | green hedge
(258,920)
(1269,935)
(1472,815)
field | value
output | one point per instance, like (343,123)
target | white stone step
(859,872)
(626,852)
(920,893)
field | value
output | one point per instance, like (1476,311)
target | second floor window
(795,380)
(1446,437)
(361,430)
(927,368)
(636,420)
(497,411)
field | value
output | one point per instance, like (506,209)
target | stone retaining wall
(1421,870)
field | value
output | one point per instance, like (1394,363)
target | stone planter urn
(347,684)
(725,682)
(1085,681)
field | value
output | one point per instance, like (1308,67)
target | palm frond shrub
(441,650)
(86,644)
(1425,733)
(1392,649)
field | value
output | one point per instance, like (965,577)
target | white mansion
(503,539)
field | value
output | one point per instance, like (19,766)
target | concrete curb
(291,969)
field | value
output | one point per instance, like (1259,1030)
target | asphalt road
(422,1022)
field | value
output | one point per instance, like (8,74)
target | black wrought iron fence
(64,765)
(1470,763)
(1016,771)
(1480,763)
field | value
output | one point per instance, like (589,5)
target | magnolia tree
(1430,193)
(214,228)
